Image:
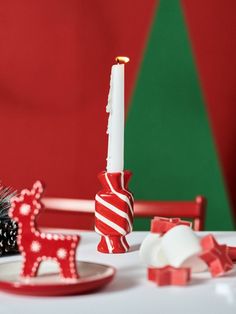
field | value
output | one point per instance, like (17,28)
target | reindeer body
(36,246)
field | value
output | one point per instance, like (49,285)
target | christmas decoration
(175,244)
(162,225)
(169,276)
(114,203)
(173,251)
(231,250)
(36,246)
(151,253)
(114,212)
(8,228)
(216,256)
(181,247)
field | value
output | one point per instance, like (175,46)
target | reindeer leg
(68,268)
(30,267)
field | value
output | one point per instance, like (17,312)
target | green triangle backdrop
(169,145)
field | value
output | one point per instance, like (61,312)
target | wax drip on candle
(109,105)
(119,60)
(115,108)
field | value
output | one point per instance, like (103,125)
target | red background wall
(55,59)
(212,29)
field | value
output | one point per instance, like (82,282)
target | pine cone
(8,228)
(8,236)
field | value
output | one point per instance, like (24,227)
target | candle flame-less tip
(122,60)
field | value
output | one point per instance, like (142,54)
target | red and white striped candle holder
(114,212)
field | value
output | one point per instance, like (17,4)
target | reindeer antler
(37,189)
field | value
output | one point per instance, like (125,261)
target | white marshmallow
(150,251)
(181,247)
(196,264)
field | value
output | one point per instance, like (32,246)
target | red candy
(231,250)
(162,225)
(215,256)
(169,276)
(36,246)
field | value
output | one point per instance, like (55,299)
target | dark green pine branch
(6,193)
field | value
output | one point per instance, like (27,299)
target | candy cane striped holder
(114,212)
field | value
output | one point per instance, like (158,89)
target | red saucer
(48,283)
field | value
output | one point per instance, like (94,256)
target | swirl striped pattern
(114,212)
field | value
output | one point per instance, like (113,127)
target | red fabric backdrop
(212,30)
(55,60)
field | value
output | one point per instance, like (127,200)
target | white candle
(116,110)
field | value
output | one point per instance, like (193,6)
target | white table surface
(130,291)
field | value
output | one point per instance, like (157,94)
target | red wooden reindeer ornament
(36,246)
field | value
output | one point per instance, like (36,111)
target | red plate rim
(81,286)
